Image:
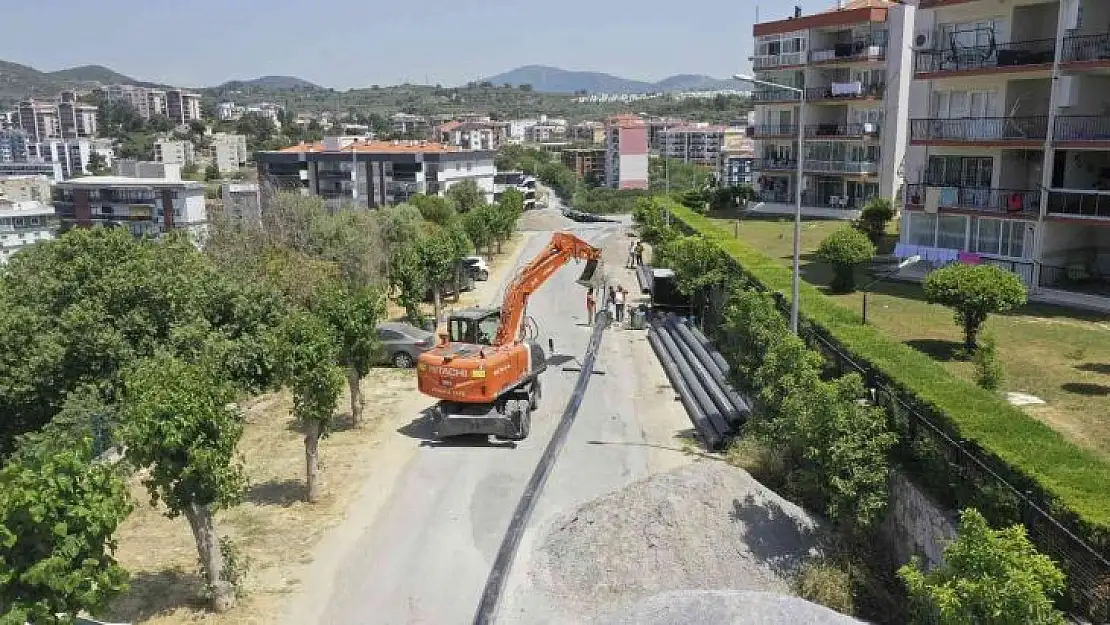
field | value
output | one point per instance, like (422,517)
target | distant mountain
(555,80)
(92,73)
(272,83)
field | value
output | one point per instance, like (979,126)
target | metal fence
(960,474)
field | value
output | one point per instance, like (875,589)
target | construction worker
(591,306)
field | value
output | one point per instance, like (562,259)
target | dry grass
(273,528)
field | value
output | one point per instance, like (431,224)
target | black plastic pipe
(685,395)
(712,412)
(707,381)
(704,341)
(738,409)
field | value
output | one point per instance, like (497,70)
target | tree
(401,224)
(504,216)
(698,263)
(989,577)
(409,281)
(845,249)
(159,123)
(874,217)
(353,314)
(973,292)
(197,127)
(465,196)
(98,165)
(192,172)
(308,352)
(183,427)
(439,257)
(58,512)
(476,225)
(211,172)
(433,208)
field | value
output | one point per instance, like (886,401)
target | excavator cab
(474,326)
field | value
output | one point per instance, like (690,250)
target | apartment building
(735,161)
(408,124)
(182,106)
(144,206)
(353,170)
(75,119)
(13,146)
(242,202)
(518,180)
(73,155)
(587,132)
(147,102)
(1009,156)
(24,223)
(844,76)
(473,135)
(697,144)
(229,151)
(65,118)
(626,152)
(175,152)
(586,163)
(25,188)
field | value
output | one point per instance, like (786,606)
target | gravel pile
(724,607)
(704,526)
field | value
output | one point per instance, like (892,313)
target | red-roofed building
(626,152)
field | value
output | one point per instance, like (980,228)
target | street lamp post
(912,260)
(798,189)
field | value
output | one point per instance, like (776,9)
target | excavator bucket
(591,274)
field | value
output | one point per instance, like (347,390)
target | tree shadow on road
(775,536)
(157,593)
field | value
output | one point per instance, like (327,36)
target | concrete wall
(896,127)
(915,525)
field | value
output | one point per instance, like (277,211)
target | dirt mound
(725,607)
(705,526)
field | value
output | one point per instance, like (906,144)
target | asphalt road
(425,556)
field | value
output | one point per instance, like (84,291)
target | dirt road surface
(418,544)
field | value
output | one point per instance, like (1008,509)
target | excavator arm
(562,248)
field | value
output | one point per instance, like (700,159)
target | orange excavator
(485,369)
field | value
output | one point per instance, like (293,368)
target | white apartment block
(147,102)
(74,155)
(1009,157)
(24,223)
(65,118)
(242,202)
(846,74)
(698,144)
(175,152)
(229,151)
(228,111)
(368,173)
(182,106)
(267,110)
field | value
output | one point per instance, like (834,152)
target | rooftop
(853,12)
(123,181)
(375,147)
(24,209)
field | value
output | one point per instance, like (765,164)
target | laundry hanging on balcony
(847,88)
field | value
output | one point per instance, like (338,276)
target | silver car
(403,343)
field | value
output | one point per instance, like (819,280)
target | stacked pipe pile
(699,374)
(577,215)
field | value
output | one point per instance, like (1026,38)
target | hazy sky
(354,43)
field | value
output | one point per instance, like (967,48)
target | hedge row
(1076,479)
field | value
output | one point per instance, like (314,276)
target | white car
(477,267)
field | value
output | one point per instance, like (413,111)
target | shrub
(989,577)
(827,584)
(874,218)
(973,292)
(844,250)
(988,367)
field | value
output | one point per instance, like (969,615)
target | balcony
(788,131)
(1005,201)
(848,53)
(811,200)
(1086,49)
(1000,58)
(1082,204)
(1081,128)
(774,164)
(845,91)
(842,131)
(775,61)
(979,130)
(766,96)
(841,167)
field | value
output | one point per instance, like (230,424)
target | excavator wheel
(535,393)
(520,414)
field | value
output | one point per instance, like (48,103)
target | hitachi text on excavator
(486,368)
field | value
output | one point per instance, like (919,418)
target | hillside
(273,83)
(18,82)
(555,80)
(90,74)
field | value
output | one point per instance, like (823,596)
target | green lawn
(1059,355)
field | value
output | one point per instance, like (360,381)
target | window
(960,171)
(952,232)
(389,335)
(1001,237)
(922,229)
(963,104)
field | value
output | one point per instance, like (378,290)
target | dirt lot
(273,527)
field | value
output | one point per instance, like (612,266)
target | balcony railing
(775,95)
(1011,201)
(770,164)
(771,61)
(846,131)
(1082,128)
(812,200)
(845,91)
(1079,204)
(977,129)
(841,167)
(1086,48)
(775,130)
(859,51)
(948,58)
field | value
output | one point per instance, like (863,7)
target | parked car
(447,289)
(477,267)
(403,343)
